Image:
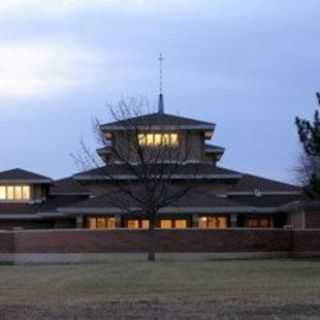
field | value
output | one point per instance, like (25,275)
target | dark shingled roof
(248,183)
(188,169)
(194,199)
(22,175)
(50,206)
(158,119)
(68,186)
(214,148)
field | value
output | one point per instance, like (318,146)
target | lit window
(101,223)
(150,139)
(3,194)
(158,139)
(15,193)
(133,224)
(180,224)
(142,139)
(26,193)
(145,224)
(10,193)
(218,222)
(260,222)
(174,139)
(166,224)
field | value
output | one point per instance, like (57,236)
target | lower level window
(260,222)
(15,193)
(94,223)
(137,224)
(216,222)
(173,223)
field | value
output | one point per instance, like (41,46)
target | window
(133,224)
(173,224)
(158,139)
(260,222)
(138,224)
(166,224)
(181,224)
(15,193)
(94,223)
(215,222)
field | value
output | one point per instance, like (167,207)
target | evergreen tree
(309,134)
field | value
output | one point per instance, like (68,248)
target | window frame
(16,193)
(151,139)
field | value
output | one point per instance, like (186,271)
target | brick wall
(312,218)
(136,241)
(6,242)
(306,241)
(122,241)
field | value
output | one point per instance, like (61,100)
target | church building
(221,198)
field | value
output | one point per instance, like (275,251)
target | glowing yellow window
(133,224)
(111,223)
(92,223)
(166,224)
(26,193)
(174,139)
(10,193)
(150,140)
(181,224)
(18,193)
(142,139)
(166,139)
(145,224)
(3,194)
(158,139)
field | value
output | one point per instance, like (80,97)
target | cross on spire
(161,102)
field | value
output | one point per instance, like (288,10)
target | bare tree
(150,161)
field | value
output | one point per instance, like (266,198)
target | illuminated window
(133,224)
(173,223)
(180,224)
(26,194)
(216,222)
(260,222)
(158,139)
(166,224)
(101,223)
(15,193)
(145,224)
(3,194)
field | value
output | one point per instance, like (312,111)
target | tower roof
(159,121)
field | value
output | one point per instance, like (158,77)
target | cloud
(38,70)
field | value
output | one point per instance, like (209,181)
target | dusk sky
(248,66)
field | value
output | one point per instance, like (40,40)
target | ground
(261,289)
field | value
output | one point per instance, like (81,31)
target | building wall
(302,242)
(125,241)
(312,218)
(191,146)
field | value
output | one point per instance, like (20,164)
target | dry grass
(275,289)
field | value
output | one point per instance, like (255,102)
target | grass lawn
(261,289)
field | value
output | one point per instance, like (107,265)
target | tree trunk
(152,240)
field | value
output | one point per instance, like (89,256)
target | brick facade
(312,218)
(168,241)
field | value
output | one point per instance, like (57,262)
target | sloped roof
(249,183)
(214,148)
(21,175)
(193,202)
(50,205)
(68,186)
(180,171)
(158,120)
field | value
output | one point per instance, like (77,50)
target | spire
(161,100)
